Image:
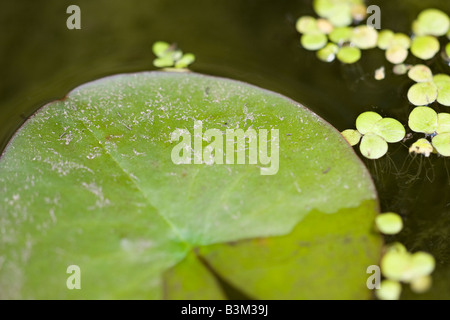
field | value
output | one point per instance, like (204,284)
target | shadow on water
(250,40)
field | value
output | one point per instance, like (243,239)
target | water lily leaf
(390,130)
(95,180)
(441,143)
(423,119)
(366,121)
(373,146)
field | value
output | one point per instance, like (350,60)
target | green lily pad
(373,146)
(422,93)
(423,119)
(99,180)
(420,73)
(425,47)
(349,55)
(441,143)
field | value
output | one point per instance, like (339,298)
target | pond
(254,41)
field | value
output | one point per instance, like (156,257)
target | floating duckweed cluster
(337,25)
(169,56)
(437,126)
(374,132)
(400,266)
(331,35)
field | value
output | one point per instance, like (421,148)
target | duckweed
(389,223)
(425,47)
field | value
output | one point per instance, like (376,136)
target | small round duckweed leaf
(423,264)
(423,119)
(425,47)
(366,121)
(433,22)
(440,79)
(401,39)
(328,53)
(389,223)
(373,146)
(420,73)
(352,136)
(395,247)
(185,60)
(160,48)
(401,69)
(441,143)
(341,34)
(324,26)
(396,54)
(422,93)
(380,73)
(396,265)
(389,290)
(443,122)
(447,50)
(313,42)
(358,11)
(341,16)
(307,25)
(421,284)
(349,55)
(384,39)
(422,146)
(444,94)
(364,37)
(390,130)
(163,62)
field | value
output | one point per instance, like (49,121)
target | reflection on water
(250,40)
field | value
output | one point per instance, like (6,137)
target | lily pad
(92,180)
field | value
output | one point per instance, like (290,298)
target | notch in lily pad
(171,58)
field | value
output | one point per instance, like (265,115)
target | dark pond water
(250,40)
